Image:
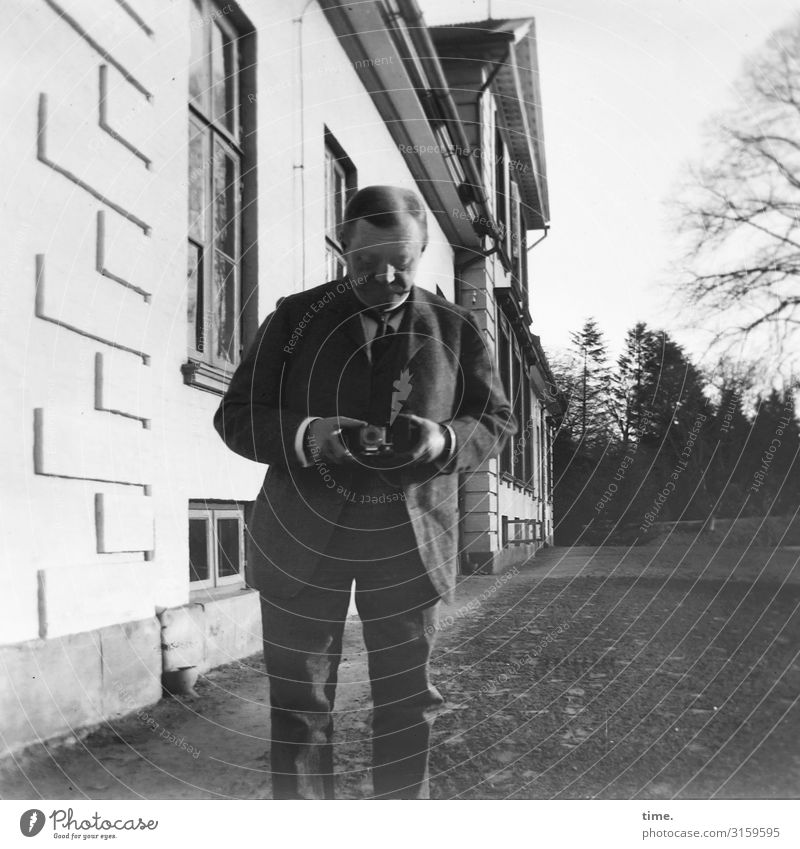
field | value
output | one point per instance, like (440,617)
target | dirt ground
(664,671)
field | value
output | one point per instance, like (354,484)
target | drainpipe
(299,176)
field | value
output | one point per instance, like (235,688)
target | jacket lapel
(416,328)
(343,317)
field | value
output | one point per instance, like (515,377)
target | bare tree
(740,209)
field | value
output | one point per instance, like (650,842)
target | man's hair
(383,206)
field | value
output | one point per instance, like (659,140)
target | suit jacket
(309,358)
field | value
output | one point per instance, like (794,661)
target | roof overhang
(508,48)
(365,35)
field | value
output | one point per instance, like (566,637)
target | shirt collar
(374,311)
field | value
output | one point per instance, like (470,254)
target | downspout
(298,169)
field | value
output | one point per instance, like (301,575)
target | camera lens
(371,436)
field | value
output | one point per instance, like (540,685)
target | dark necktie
(383,335)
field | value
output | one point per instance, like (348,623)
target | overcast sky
(626,89)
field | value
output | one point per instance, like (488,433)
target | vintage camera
(373,442)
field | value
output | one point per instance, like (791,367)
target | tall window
(516,459)
(216,543)
(535,454)
(500,181)
(340,184)
(504,357)
(517,388)
(525,430)
(215,190)
(512,242)
(547,458)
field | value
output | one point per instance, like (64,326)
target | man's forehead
(406,233)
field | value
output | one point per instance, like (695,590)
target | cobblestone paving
(650,673)
(576,686)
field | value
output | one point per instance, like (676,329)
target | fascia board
(363,36)
(508,90)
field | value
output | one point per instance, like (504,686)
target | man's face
(383,262)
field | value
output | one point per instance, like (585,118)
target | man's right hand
(324,442)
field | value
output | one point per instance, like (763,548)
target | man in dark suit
(336,508)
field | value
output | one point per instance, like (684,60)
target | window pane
(338,199)
(198,59)
(516,389)
(451,156)
(197,182)
(226,184)
(330,207)
(330,263)
(525,427)
(194,298)
(223,78)
(334,264)
(505,377)
(514,230)
(228,547)
(198,550)
(500,179)
(225,308)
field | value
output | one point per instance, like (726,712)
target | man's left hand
(431,443)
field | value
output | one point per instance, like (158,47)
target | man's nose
(387,274)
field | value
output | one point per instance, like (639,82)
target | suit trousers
(373,545)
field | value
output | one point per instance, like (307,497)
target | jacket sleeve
(484,421)
(249,418)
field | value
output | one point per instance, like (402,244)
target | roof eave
(516,87)
(363,34)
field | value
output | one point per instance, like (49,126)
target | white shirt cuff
(298,442)
(452,448)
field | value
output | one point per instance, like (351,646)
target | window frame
(516,406)
(233,141)
(501,176)
(514,225)
(341,163)
(502,182)
(534,435)
(525,427)
(211,512)
(506,463)
(517,459)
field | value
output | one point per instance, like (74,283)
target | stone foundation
(59,687)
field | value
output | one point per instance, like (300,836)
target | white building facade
(178,168)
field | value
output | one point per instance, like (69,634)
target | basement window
(216,543)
